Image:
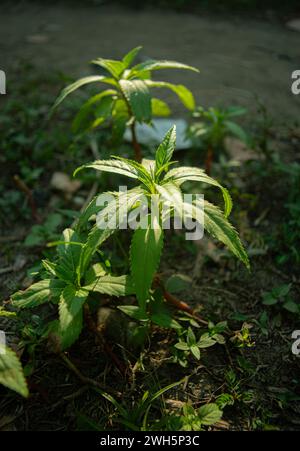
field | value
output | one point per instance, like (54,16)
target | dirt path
(238,59)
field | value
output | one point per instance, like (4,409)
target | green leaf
(236,130)
(130,56)
(165,150)
(184,94)
(145,252)
(114,166)
(291,306)
(209,414)
(38,293)
(164,319)
(133,311)
(70,305)
(195,351)
(219,227)
(72,332)
(191,339)
(138,97)
(100,105)
(77,84)
(161,64)
(182,346)
(11,372)
(185,173)
(113,286)
(206,341)
(69,253)
(160,108)
(115,68)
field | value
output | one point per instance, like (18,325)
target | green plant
(189,344)
(69,285)
(128,100)
(160,192)
(280,297)
(192,419)
(136,417)
(213,127)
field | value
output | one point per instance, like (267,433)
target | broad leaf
(11,372)
(219,227)
(237,131)
(38,293)
(145,251)
(114,166)
(181,91)
(134,312)
(113,286)
(159,108)
(115,68)
(138,97)
(77,84)
(100,105)
(70,305)
(185,173)
(209,414)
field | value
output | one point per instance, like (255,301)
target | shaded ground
(238,58)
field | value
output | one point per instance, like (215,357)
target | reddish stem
(209,160)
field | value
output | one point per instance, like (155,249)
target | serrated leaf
(165,150)
(209,414)
(145,252)
(38,293)
(185,173)
(77,84)
(11,372)
(150,65)
(138,97)
(114,166)
(113,286)
(69,252)
(130,56)
(70,305)
(219,227)
(133,311)
(114,67)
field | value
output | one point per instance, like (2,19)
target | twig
(84,379)
(208,161)
(28,193)
(107,348)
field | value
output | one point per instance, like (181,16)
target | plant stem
(209,160)
(180,305)
(136,146)
(84,379)
(107,348)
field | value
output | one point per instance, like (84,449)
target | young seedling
(161,187)
(212,129)
(128,99)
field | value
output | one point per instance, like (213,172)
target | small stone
(62,182)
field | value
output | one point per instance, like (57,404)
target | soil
(240,59)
